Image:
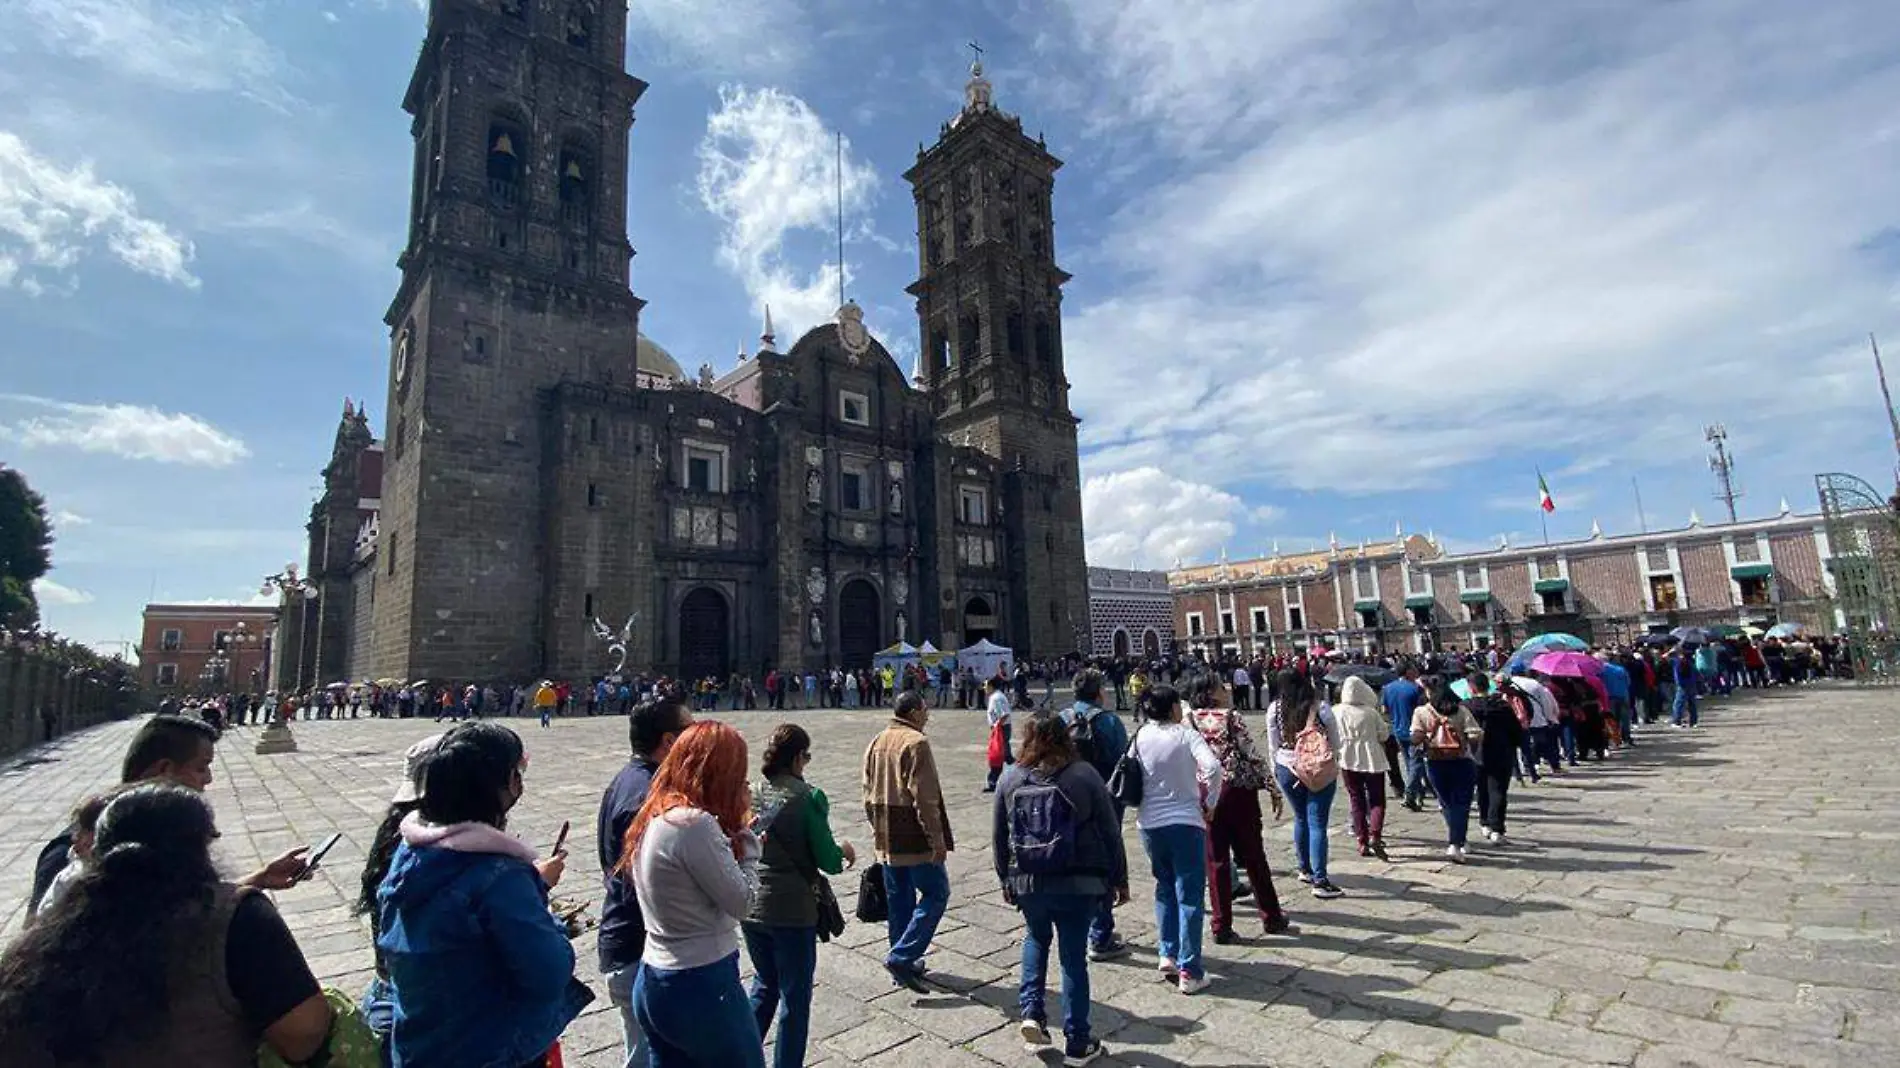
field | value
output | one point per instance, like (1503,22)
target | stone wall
(32,682)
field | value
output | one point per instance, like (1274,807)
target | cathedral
(547,473)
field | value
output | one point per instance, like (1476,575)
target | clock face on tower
(404,342)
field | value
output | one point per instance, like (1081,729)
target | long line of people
(139,947)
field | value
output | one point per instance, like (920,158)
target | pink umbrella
(1576,666)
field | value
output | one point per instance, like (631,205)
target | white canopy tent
(986,659)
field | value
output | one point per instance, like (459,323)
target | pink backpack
(1314,762)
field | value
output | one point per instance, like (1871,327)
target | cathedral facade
(547,472)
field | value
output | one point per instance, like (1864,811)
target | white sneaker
(1035,1036)
(1167,970)
(1451,852)
(1457,854)
(1194,984)
(1498,839)
(1492,836)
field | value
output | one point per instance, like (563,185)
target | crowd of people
(138,951)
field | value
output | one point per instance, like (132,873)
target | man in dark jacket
(1497,754)
(1101,738)
(1057,848)
(652,726)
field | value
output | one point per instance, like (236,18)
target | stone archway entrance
(860,623)
(979,621)
(705,636)
(1121,644)
(1151,644)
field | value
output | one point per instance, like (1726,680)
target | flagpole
(1544,518)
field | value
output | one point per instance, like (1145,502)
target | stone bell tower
(989,305)
(514,279)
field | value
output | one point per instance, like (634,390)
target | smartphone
(561,840)
(316,855)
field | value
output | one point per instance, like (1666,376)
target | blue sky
(1340,266)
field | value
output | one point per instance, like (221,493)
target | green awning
(1475,596)
(1365,606)
(1420,600)
(1556,585)
(1752,571)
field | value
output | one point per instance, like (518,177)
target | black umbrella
(1374,675)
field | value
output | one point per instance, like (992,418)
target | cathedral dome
(650,359)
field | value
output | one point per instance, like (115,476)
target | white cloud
(190,46)
(64,518)
(721,38)
(51,217)
(768,169)
(130,431)
(46,591)
(1147,517)
(1414,247)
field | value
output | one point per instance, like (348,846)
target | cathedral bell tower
(514,279)
(989,304)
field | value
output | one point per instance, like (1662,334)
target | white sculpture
(617,643)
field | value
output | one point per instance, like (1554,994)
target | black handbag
(1125,782)
(874,905)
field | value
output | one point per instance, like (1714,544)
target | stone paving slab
(1725,896)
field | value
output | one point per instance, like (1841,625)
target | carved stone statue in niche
(897,497)
(817,628)
(814,487)
(903,626)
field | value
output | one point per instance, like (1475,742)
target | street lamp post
(292,590)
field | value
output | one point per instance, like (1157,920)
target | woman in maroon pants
(1235,828)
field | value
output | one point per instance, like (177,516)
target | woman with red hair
(694,864)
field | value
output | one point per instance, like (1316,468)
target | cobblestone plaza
(1719,897)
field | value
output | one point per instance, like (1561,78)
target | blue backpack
(1042,828)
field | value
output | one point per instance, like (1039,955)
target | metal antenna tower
(1724,467)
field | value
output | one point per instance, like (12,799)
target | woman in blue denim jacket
(483,973)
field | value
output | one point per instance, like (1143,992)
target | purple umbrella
(1576,666)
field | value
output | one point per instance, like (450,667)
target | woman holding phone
(483,973)
(695,865)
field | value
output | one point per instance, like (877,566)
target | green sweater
(797,840)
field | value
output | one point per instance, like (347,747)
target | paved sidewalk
(1721,897)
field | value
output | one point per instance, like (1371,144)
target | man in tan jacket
(903,799)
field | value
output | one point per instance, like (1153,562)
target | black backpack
(1042,827)
(1087,746)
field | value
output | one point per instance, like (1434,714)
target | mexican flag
(1544,500)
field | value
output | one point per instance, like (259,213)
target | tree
(26,548)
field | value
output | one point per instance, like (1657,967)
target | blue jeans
(1311,809)
(1455,781)
(1567,737)
(697,1016)
(918,893)
(1414,758)
(1527,756)
(620,992)
(784,964)
(1065,917)
(1178,857)
(1683,710)
(1625,718)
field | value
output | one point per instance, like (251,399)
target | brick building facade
(545,466)
(1131,612)
(1407,594)
(178,641)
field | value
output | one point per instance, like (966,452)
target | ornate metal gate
(1863,535)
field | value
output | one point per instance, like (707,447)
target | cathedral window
(1045,341)
(575,169)
(579,26)
(1014,333)
(704,467)
(969,336)
(587,607)
(593,495)
(854,486)
(973,505)
(593,430)
(940,351)
(854,408)
(505,168)
(394,541)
